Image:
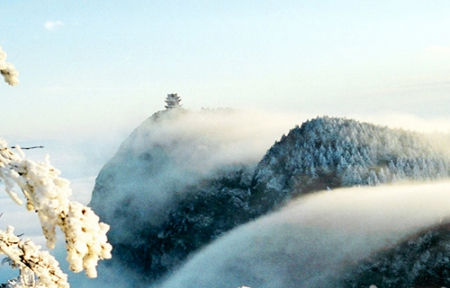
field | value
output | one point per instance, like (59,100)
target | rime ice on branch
(32,263)
(7,70)
(47,194)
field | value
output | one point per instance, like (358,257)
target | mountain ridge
(323,153)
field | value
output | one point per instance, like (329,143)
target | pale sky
(87,65)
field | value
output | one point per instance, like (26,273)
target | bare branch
(27,148)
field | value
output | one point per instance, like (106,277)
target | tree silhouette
(173,101)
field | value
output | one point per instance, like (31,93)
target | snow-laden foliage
(37,268)
(152,185)
(421,260)
(7,70)
(203,213)
(47,195)
(333,152)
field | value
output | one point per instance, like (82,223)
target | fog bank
(308,242)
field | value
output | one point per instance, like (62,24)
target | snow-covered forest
(177,208)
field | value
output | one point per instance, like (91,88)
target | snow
(170,184)
(7,70)
(31,261)
(47,195)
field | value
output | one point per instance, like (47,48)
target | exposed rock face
(169,190)
(420,261)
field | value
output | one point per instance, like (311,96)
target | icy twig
(32,262)
(48,195)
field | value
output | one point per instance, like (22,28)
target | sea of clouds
(80,157)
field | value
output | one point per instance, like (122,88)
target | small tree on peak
(173,101)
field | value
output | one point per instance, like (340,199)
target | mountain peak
(177,182)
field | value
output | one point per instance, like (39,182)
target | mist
(313,238)
(201,142)
(429,125)
(174,149)
(193,145)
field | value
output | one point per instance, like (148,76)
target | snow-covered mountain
(421,260)
(174,163)
(326,153)
(184,178)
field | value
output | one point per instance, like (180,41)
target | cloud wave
(308,242)
(53,25)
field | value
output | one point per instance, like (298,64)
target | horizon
(111,64)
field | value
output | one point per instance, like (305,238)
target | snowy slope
(421,260)
(329,152)
(181,180)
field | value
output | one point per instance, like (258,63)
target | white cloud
(310,241)
(408,122)
(53,25)
(440,49)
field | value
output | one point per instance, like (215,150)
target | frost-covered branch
(7,70)
(32,263)
(48,195)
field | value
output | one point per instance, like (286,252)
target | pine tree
(173,101)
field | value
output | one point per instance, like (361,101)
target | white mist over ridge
(409,122)
(198,142)
(176,148)
(165,181)
(231,139)
(227,135)
(312,239)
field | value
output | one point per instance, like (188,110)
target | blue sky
(113,62)
(91,71)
